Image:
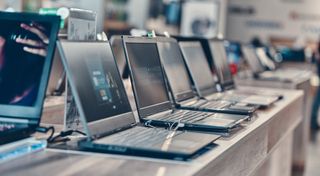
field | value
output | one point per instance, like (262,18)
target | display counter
(262,147)
(301,134)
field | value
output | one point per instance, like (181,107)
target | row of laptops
(27,47)
(154,106)
(104,107)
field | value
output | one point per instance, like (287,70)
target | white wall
(279,18)
(138,10)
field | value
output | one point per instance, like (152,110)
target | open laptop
(217,47)
(106,113)
(253,55)
(27,43)
(204,82)
(152,95)
(182,92)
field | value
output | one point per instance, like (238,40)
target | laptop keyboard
(139,137)
(215,104)
(234,97)
(186,116)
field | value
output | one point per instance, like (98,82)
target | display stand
(301,135)
(262,148)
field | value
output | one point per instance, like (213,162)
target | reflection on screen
(147,74)
(175,67)
(220,61)
(198,64)
(23,49)
(96,79)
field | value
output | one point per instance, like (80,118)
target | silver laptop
(205,84)
(257,58)
(106,113)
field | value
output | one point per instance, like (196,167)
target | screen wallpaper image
(23,49)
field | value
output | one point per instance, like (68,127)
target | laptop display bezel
(33,113)
(97,128)
(181,96)
(152,109)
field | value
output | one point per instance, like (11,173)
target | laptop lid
(27,43)
(251,57)
(148,81)
(221,65)
(97,86)
(118,50)
(175,68)
(198,68)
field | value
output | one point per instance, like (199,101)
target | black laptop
(27,44)
(105,111)
(182,92)
(204,82)
(152,96)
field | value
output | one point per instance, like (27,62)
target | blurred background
(279,22)
(292,27)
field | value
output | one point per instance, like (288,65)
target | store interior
(160,87)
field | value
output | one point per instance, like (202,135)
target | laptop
(256,58)
(105,111)
(205,84)
(182,92)
(27,43)
(152,96)
(226,79)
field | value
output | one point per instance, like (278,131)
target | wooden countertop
(240,155)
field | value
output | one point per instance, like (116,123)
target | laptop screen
(175,68)
(26,49)
(250,55)
(198,67)
(96,79)
(150,87)
(118,50)
(221,61)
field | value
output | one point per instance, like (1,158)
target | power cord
(62,137)
(45,130)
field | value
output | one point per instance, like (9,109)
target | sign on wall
(284,19)
(199,18)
